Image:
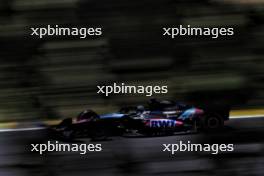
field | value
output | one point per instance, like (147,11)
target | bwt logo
(162,123)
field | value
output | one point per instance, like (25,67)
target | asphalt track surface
(139,155)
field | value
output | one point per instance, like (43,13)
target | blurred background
(56,77)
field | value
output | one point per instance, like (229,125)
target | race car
(156,118)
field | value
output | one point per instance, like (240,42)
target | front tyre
(68,134)
(99,132)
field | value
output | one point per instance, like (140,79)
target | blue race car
(157,118)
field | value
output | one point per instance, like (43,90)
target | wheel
(213,122)
(99,133)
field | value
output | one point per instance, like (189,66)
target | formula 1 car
(157,118)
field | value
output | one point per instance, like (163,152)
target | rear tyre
(213,122)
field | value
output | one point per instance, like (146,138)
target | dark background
(57,76)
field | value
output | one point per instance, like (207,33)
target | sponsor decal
(164,123)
